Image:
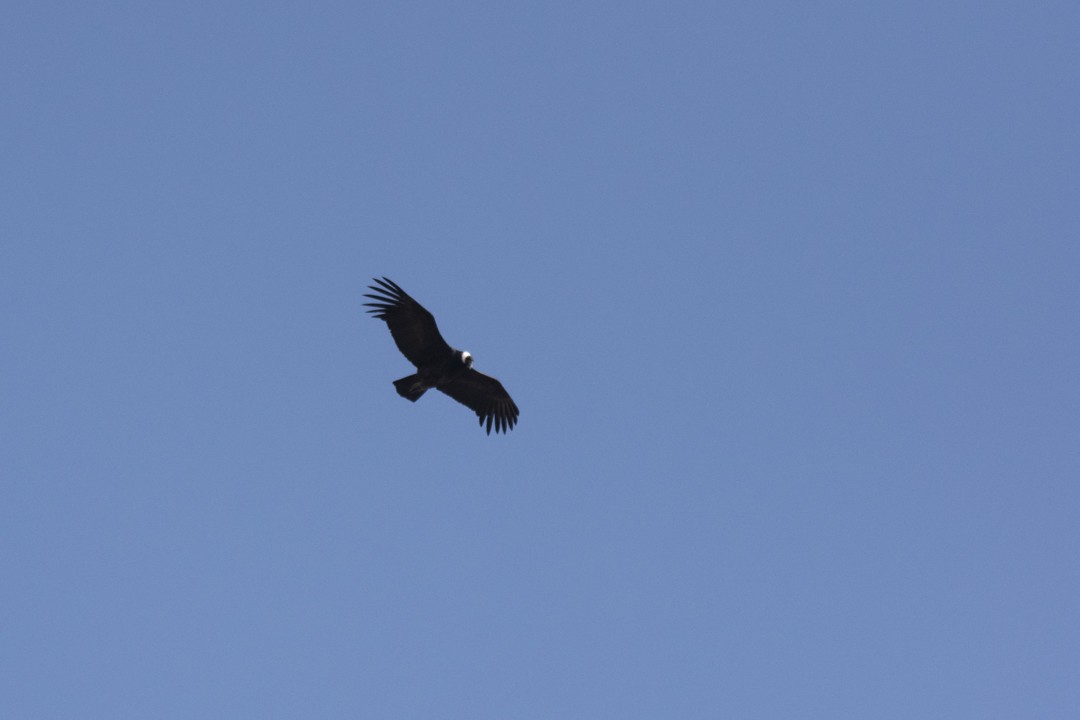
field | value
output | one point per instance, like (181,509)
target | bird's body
(437,364)
(438,373)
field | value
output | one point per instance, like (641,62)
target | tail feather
(410,387)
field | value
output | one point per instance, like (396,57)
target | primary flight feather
(437,364)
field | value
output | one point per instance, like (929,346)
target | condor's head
(466,358)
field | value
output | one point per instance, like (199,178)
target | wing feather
(485,396)
(412,327)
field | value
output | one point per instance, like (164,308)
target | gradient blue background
(787,294)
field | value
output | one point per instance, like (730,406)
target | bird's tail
(410,387)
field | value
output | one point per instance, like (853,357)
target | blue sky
(786,292)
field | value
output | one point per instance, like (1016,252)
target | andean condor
(438,365)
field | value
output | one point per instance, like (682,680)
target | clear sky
(787,294)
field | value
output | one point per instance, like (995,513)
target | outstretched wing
(414,329)
(486,397)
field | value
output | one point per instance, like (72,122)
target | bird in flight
(437,364)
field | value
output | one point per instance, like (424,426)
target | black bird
(438,365)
